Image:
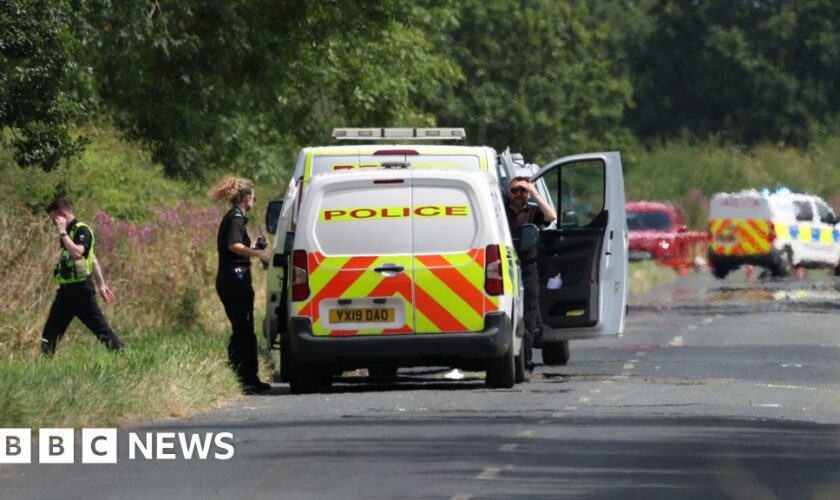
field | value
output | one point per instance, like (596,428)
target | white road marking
(508,447)
(584,399)
(692,327)
(641,353)
(461,496)
(628,366)
(571,408)
(543,422)
(595,391)
(708,321)
(676,342)
(489,473)
(558,414)
(525,434)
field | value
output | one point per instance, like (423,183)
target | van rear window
(370,221)
(396,220)
(452,225)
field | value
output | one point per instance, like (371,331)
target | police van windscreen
(331,163)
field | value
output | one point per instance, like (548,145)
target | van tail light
(300,276)
(771,235)
(493,283)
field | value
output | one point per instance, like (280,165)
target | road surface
(717,390)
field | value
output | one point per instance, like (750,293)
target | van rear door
(449,291)
(360,274)
(583,262)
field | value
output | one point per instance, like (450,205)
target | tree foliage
(536,78)
(242,84)
(37,60)
(743,71)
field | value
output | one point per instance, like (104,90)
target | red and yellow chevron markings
(445,293)
(741,236)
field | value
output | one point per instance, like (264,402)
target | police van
(777,231)
(396,255)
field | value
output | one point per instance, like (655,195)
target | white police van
(778,231)
(358,219)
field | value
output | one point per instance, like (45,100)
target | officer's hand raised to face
(60,223)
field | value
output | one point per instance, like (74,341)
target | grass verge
(161,374)
(645,275)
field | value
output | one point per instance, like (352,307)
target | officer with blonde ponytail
(233,281)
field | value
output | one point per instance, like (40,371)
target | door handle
(389,268)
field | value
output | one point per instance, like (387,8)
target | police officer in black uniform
(76,296)
(233,281)
(520,212)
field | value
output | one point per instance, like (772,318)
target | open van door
(583,262)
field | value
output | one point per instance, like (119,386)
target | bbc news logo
(100,446)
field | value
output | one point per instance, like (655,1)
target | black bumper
(735,261)
(403,350)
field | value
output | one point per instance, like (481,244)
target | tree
(536,78)
(742,71)
(37,66)
(227,84)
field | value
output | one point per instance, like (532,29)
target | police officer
(233,281)
(520,212)
(76,296)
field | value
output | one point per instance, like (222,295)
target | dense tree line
(242,84)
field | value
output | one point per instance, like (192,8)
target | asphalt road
(717,390)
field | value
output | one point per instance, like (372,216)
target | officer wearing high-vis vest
(76,296)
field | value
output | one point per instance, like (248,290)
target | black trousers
(531,314)
(77,300)
(237,294)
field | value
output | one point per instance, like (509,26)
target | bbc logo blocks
(57,446)
(17,446)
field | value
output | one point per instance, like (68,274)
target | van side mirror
(570,219)
(529,238)
(272,213)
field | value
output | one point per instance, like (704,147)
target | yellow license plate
(363,315)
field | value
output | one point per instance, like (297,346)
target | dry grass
(163,273)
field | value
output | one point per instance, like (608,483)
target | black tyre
(720,272)
(305,378)
(519,367)
(501,372)
(284,362)
(556,353)
(784,264)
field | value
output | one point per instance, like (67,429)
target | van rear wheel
(501,372)
(305,378)
(519,367)
(784,264)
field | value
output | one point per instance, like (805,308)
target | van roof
(423,149)
(485,155)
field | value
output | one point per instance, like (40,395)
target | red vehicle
(658,231)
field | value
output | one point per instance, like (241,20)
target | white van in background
(778,231)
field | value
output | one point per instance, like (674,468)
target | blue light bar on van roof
(399,134)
